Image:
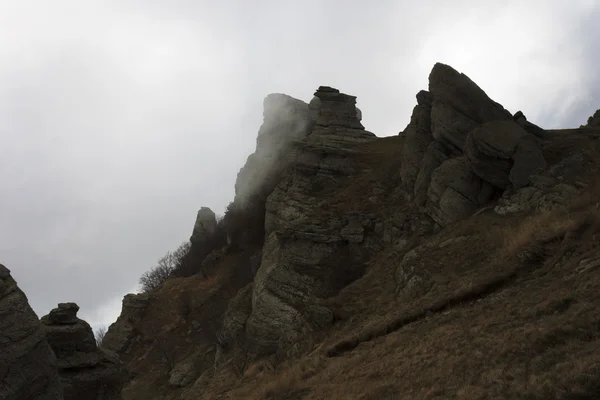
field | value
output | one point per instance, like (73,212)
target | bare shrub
(164,269)
(99,334)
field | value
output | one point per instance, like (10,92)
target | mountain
(458,259)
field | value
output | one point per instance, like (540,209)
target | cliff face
(455,260)
(28,367)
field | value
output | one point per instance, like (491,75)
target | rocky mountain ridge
(338,242)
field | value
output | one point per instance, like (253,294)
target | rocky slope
(458,259)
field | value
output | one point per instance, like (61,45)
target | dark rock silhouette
(28,366)
(86,371)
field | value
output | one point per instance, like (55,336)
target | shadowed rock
(503,154)
(459,105)
(86,371)
(28,367)
(454,119)
(119,334)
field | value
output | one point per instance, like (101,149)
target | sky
(119,119)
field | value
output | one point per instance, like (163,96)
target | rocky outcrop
(455,192)
(28,368)
(86,371)
(593,121)
(120,333)
(459,106)
(504,154)
(205,225)
(461,147)
(308,253)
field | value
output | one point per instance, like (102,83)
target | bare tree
(99,334)
(164,269)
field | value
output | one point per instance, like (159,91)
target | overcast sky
(119,119)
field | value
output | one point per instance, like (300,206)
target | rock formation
(205,225)
(461,147)
(285,120)
(120,333)
(86,371)
(28,367)
(298,240)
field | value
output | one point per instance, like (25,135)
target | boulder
(455,192)
(28,365)
(86,371)
(504,154)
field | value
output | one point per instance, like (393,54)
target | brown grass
(511,318)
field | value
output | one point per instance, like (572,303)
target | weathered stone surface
(120,333)
(503,154)
(540,196)
(231,339)
(65,313)
(66,339)
(86,371)
(435,155)
(337,109)
(205,225)
(417,137)
(445,115)
(300,240)
(459,105)
(455,192)
(28,368)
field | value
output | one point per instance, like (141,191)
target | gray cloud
(119,119)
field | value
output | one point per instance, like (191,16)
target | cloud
(119,119)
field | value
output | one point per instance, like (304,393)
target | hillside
(457,260)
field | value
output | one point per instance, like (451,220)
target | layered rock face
(461,147)
(120,333)
(28,367)
(86,371)
(308,252)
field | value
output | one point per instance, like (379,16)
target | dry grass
(509,315)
